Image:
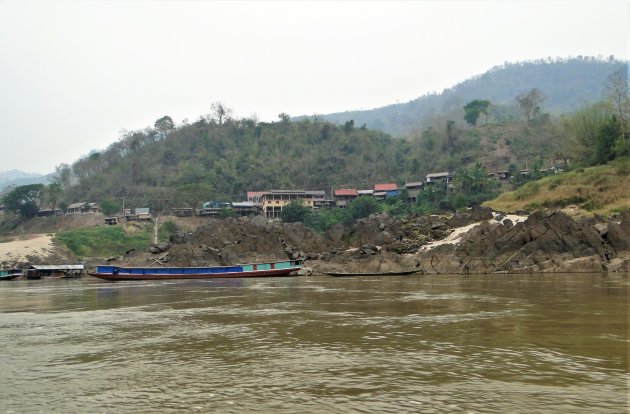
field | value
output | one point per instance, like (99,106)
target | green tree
(348,126)
(362,207)
(478,177)
(474,108)
(605,141)
(294,211)
(110,207)
(193,194)
(53,193)
(164,125)
(23,199)
(284,118)
(462,180)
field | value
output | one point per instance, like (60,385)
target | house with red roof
(345,195)
(382,191)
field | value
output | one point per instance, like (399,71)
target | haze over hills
(16,177)
(568,85)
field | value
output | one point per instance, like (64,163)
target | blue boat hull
(115,273)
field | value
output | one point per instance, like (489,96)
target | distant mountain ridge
(16,178)
(568,85)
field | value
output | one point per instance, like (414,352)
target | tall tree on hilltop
(220,112)
(284,117)
(474,108)
(164,125)
(617,91)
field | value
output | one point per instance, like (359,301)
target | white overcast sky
(74,73)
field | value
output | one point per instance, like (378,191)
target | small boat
(403,273)
(10,274)
(113,273)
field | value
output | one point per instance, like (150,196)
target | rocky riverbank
(478,241)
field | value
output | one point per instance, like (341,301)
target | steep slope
(603,189)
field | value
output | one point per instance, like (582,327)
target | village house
(49,212)
(382,191)
(315,199)
(182,211)
(83,208)
(439,177)
(343,196)
(255,197)
(246,208)
(413,189)
(273,201)
(111,221)
(212,208)
(139,214)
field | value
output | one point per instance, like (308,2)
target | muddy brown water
(429,344)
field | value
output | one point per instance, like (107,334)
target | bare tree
(619,97)
(220,112)
(531,103)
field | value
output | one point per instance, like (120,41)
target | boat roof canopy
(57,267)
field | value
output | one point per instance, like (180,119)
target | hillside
(207,161)
(567,84)
(602,190)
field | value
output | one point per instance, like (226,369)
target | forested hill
(568,85)
(221,160)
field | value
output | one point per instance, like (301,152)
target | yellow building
(273,201)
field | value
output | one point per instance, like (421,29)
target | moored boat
(10,274)
(402,273)
(114,273)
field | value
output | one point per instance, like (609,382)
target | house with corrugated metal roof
(83,208)
(139,214)
(413,189)
(49,212)
(439,177)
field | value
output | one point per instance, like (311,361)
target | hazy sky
(74,73)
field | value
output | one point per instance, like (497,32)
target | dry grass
(596,190)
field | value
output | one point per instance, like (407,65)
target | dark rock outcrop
(545,242)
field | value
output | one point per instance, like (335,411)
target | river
(421,344)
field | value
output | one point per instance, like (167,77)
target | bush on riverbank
(105,241)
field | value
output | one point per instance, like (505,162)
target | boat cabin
(65,271)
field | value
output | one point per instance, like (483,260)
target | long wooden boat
(10,274)
(114,273)
(403,273)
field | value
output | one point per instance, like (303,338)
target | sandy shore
(31,245)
